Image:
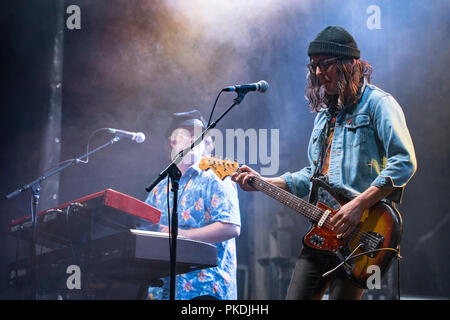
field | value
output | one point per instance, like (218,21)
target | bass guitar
(374,241)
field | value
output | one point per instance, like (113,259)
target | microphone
(260,86)
(139,137)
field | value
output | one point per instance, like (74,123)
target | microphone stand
(35,190)
(174,175)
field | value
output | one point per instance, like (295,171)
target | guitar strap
(326,141)
(334,113)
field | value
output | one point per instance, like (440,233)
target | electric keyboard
(102,234)
(93,216)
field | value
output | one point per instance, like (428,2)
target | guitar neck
(301,206)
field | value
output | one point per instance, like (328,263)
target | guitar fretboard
(301,206)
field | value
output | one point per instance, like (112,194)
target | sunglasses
(323,65)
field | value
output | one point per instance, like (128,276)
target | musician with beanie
(360,146)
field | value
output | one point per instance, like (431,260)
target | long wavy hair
(351,73)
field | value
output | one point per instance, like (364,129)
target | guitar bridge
(371,241)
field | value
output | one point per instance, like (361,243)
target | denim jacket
(371,146)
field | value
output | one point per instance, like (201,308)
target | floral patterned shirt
(203,200)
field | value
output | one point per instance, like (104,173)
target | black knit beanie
(334,41)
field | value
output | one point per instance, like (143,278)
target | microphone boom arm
(55,171)
(36,190)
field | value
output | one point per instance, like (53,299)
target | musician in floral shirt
(208,210)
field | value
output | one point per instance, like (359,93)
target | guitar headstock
(222,168)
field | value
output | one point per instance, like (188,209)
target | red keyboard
(108,206)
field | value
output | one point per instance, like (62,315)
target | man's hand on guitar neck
(244,174)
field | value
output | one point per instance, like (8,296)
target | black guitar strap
(333,111)
(322,153)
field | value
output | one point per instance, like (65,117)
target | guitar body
(379,227)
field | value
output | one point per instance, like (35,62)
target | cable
(78,160)
(69,229)
(169,225)
(376,250)
(344,261)
(15,281)
(87,146)
(32,248)
(398,272)
(350,256)
(168,217)
(214,106)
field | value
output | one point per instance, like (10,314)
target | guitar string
(316,213)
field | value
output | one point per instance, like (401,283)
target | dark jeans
(307,282)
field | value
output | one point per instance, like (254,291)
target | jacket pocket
(357,129)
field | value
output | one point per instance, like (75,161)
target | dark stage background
(133,63)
